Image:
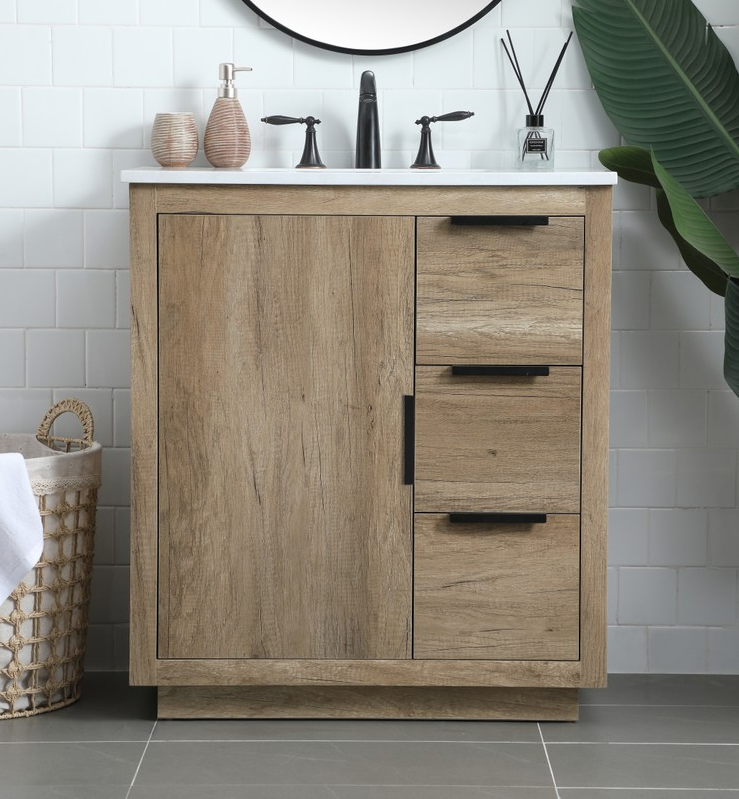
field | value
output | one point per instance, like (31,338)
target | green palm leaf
(731,337)
(700,264)
(668,84)
(694,225)
(632,163)
(705,251)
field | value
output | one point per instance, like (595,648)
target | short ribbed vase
(227,140)
(174,139)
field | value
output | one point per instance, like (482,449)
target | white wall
(80,82)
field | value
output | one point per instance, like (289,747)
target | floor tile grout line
(75,741)
(644,789)
(336,741)
(516,785)
(445,741)
(141,760)
(639,743)
(549,762)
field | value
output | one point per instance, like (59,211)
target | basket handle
(82,412)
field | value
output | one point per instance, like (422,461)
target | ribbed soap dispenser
(227,141)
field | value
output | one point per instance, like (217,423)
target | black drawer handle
(501,221)
(409,426)
(504,371)
(498,518)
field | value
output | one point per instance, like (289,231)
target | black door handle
(504,371)
(498,518)
(409,436)
(500,221)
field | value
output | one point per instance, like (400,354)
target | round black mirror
(371,27)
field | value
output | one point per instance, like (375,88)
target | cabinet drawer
(496,591)
(497,443)
(500,293)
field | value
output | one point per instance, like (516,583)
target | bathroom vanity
(369,441)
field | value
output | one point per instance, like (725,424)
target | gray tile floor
(643,736)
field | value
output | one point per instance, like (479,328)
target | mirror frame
(254,6)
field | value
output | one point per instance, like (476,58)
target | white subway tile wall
(7,11)
(83,178)
(55,357)
(80,83)
(46,12)
(678,650)
(10,122)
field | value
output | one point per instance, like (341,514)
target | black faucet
(368,125)
(425,158)
(310,158)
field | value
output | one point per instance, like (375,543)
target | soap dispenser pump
(227,140)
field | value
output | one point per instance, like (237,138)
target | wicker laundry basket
(43,624)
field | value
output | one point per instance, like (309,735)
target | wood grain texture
(436,673)
(596,376)
(285,351)
(500,295)
(496,591)
(378,200)
(144,381)
(497,443)
(270,702)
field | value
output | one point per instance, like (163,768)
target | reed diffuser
(535,141)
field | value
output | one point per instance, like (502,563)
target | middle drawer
(497,443)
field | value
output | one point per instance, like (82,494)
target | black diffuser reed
(535,143)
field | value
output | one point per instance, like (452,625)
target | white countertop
(370,177)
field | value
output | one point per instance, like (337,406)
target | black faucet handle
(453,116)
(310,158)
(425,158)
(278,119)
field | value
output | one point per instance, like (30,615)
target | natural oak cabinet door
(497,591)
(285,349)
(498,443)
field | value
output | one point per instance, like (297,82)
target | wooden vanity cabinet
(369,448)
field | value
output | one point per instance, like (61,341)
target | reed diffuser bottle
(535,142)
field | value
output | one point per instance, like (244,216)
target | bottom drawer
(496,591)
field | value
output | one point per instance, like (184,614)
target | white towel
(21,530)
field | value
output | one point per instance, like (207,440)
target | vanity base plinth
(275,702)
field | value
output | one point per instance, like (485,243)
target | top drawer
(500,293)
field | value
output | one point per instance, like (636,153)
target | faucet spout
(368,124)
